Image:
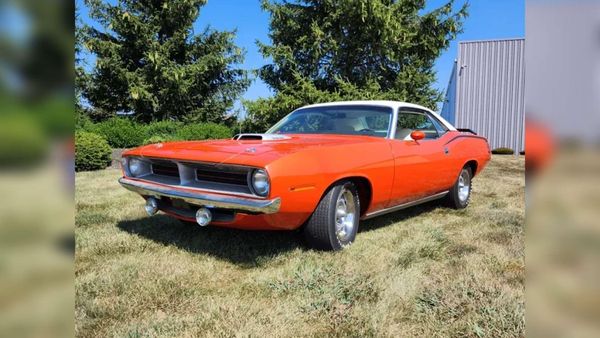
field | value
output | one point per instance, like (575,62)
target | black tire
(320,230)
(453,199)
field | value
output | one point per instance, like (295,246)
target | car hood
(244,152)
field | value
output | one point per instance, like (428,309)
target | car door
(419,166)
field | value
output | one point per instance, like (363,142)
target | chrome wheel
(464,186)
(345,215)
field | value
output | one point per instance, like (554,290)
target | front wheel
(460,194)
(334,223)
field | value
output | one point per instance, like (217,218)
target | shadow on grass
(244,248)
(397,216)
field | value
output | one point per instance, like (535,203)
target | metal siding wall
(490,96)
(448,109)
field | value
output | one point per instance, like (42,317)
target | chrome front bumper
(203,198)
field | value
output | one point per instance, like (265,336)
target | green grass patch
(424,271)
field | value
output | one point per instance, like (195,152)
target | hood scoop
(260,137)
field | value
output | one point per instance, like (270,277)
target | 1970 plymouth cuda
(321,169)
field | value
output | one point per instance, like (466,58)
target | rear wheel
(460,194)
(334,223)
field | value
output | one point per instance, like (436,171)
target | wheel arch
(473,165)
(364,187)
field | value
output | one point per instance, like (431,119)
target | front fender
(301,179)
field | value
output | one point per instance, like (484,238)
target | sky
(488,19)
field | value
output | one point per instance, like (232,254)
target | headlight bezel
(264,191)
(142,168)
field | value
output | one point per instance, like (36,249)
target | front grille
(165,168)
(209,176)
(218,176)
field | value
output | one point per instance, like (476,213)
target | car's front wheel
(334,223)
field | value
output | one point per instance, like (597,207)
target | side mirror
(417,135)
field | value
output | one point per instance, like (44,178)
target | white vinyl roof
(383,103)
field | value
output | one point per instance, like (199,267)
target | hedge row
(125,133)
(93,141)
(503,151)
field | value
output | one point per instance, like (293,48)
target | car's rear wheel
(334,223)
(460,194)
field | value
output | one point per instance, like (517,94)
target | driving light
(136,167)
(203,216)
(151,206)
(260,182)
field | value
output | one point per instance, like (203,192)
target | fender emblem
(251,150)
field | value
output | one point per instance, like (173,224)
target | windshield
(345,120)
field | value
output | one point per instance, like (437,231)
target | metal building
(486,91)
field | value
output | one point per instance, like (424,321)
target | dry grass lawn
(427,271)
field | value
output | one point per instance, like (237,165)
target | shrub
(121,132)
(92,152)
(163,128)
(503,151)
(83,121)
(203,131)
(158,139)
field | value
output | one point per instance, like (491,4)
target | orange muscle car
(320,169)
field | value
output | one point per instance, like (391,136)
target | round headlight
(260,182)
(136,167)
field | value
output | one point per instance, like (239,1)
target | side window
(441,128)
(409,121)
